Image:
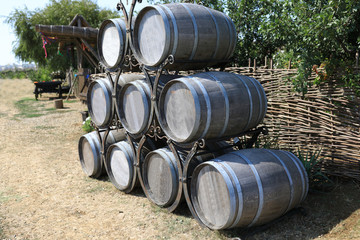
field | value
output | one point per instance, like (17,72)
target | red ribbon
(47,40)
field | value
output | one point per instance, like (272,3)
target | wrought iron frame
(153,129)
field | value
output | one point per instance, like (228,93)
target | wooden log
(68,31)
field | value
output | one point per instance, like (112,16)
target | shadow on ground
(318,215)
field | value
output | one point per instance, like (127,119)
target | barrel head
(179,115)
(135,109)
(121,168)
(87,159)
(160,178)
(150,37)
(110,44)
(211,192)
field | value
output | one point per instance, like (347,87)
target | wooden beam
(68,31)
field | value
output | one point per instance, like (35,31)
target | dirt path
(45,195)
(43,191)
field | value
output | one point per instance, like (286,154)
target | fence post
(357,58)
(266,60)
(254,64)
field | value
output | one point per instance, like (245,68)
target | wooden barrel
(134,104)
(119,163)
(99,98)
(111,42)
(89,148)
(161,176)
(210,105)
(99,101)
(191,33)
(247,188)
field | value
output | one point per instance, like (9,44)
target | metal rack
(153,130)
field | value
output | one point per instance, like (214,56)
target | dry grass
(45,195)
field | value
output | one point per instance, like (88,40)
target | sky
(7,37)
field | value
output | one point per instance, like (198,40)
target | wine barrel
(99,98)
(119,163)
(134,104)
(99,101)
(89,148)
(247,187)
(160,174)
(191,33)
(210,105)
(111,42)
(161,177)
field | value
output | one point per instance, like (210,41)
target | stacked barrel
(149,126)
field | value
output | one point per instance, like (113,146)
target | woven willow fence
(327,118)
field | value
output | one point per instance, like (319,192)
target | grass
(5,197)
(30,108)
(70,101)
(2,234)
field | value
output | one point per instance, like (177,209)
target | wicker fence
(327,118)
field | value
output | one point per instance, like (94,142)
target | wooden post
(289,64)
(59,104)
(254,64)
(266,60)
(79,53)
(249,64)
(72,55)
(271,63)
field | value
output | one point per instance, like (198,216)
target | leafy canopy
(307,31)
(29,47)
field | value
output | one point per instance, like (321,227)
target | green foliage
(87,125)
(42,74)
(17,74)
(29,45)
(313,162)
(352,80)
(267,141)
(307,32)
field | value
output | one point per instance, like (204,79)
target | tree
(29,46)
(313,32)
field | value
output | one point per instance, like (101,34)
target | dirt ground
(45,195)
